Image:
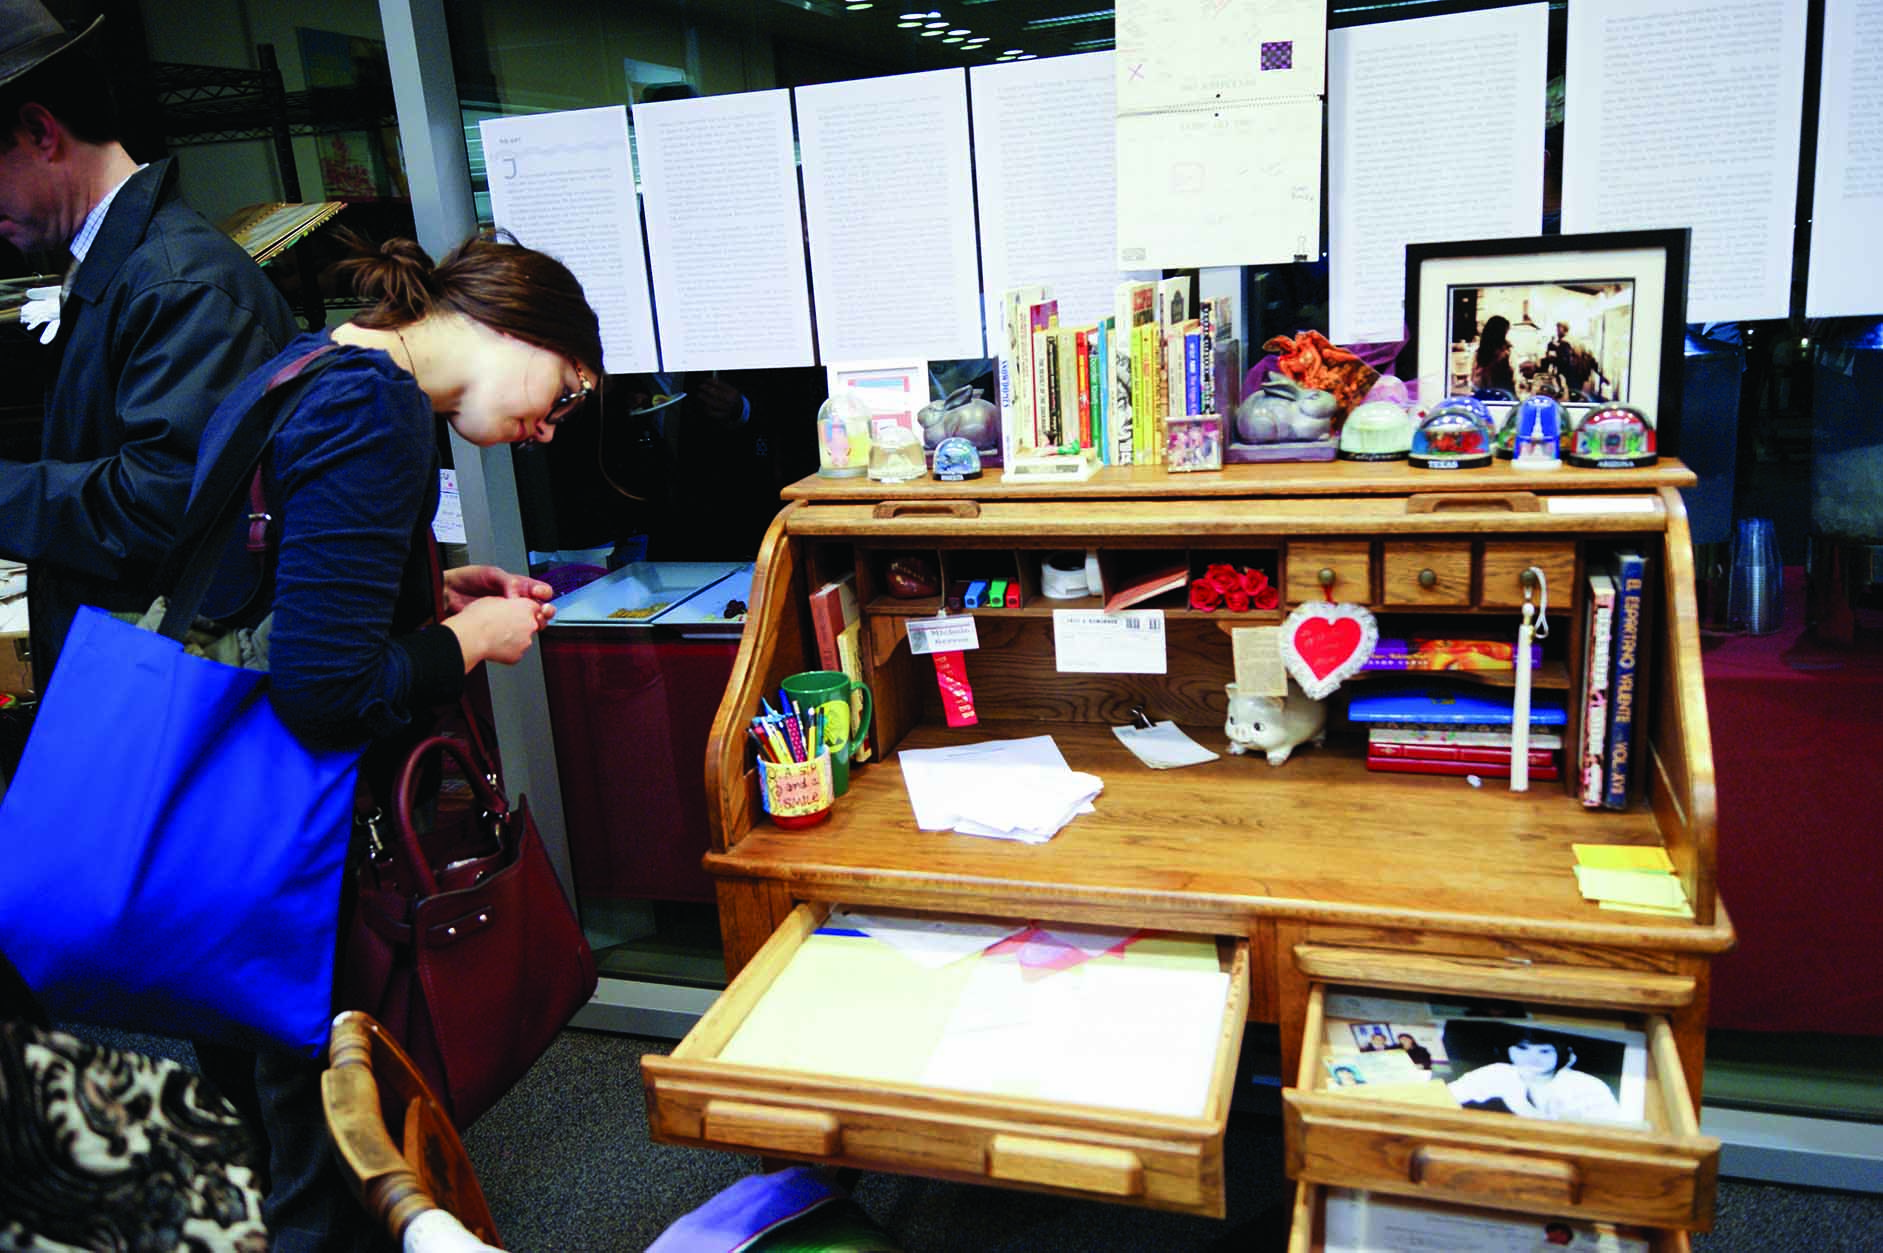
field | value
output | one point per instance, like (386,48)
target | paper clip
(1140,719)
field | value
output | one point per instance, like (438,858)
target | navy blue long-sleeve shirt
(350,474)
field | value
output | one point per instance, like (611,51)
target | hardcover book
(1593,740)
(1455,704)
(1494,770)
(1628,694)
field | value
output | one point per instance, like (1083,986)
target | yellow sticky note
(1623,857)
(1634,887)
(1659,911)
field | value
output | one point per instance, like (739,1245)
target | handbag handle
(482,787)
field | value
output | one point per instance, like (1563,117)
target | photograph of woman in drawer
(1516,1068)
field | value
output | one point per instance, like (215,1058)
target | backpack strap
(218,497)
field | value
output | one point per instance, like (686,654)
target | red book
(833,607)
(1413,765)
(1485,754)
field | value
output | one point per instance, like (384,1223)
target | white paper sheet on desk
(972,787)
(1164,746)
(930,942)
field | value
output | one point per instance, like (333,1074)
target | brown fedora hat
(29,34)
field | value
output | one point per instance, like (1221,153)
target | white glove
(42,309)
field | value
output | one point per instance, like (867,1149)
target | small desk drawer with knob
(1420,575)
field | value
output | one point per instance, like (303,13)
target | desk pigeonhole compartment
(831,1046)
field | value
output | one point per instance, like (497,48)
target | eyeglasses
(569,402)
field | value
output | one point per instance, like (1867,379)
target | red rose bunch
(1222,586)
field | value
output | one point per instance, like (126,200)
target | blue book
(1193,372)
(1628,654)
(1455,704)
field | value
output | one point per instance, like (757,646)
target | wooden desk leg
(1291,998)
(749,911)
(1689,1024)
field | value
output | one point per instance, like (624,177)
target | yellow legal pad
(1134,1032)
(1623,857)
(1631,887)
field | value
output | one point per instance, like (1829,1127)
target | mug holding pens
(826,694)
(794,765)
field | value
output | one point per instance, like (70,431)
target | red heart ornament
(1326,646)
(1324,643)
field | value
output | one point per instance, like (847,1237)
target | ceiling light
(952,39)
(1012,52)
(1026,57)
(1071,19)
(930,34)
(962,31)
(1088,45)
(907,25)
(937,25)
(915,17)
(854,5)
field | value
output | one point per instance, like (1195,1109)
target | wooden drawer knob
(802,1132)
(1428,577)
(1326,576)
(1063,1164)
(1502,1179)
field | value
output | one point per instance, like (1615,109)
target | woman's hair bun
(394,275)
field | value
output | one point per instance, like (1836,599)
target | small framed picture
(1594,321)
(1193,442)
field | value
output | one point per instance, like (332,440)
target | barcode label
(1109,643)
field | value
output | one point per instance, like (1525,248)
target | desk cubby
(1324,869)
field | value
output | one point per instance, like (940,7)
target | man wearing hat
(158,317)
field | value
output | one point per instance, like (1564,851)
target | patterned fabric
(102,1149)
(1279,55)
(94,221)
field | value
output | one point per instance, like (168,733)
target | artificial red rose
(1267,598)
(1254,582)
(1204,596)
(1237,601)
(1223,578)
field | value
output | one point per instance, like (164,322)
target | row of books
(1614,676)
(1440,729)
(1107,387)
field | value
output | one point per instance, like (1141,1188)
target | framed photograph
(1589,319)
(1562,1072)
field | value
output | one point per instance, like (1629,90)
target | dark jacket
(163,317)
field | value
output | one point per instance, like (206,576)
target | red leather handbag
(462,943)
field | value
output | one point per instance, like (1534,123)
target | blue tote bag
(172,854)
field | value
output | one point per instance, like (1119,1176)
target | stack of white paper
(1004,789)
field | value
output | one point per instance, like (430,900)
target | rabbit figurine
(1272,725)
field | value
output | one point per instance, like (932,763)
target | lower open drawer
(829,1091)
(1371,1223)
(1658,1172)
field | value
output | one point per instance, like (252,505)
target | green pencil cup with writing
(832,692)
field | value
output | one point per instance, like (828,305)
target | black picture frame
(1666,339)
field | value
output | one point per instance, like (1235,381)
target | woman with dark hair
(1539,1081)
(498,343)
(1491,367)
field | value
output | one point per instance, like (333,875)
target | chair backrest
(396,1145)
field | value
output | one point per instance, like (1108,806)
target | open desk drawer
(1455,1229)
(815,1111)
(1662,1175)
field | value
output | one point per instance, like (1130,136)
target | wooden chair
(395,1143)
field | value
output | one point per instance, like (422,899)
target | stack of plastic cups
(1755,579)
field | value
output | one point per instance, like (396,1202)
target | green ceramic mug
(831,691)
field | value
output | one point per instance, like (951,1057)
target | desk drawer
(1425,573)
(792,1092)
(1660,1173)
(1392,1223)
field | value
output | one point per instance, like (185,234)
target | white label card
(448,522)
(950,633)
(1088,642)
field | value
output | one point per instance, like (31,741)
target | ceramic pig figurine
(1271,725)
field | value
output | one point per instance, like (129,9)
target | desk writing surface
(1215,844)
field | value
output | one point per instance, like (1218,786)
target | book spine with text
(1599,631)
(1626,699)
(1192,371)
(1408,765)
(1485,754)
(1379,734)
(1082,381)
